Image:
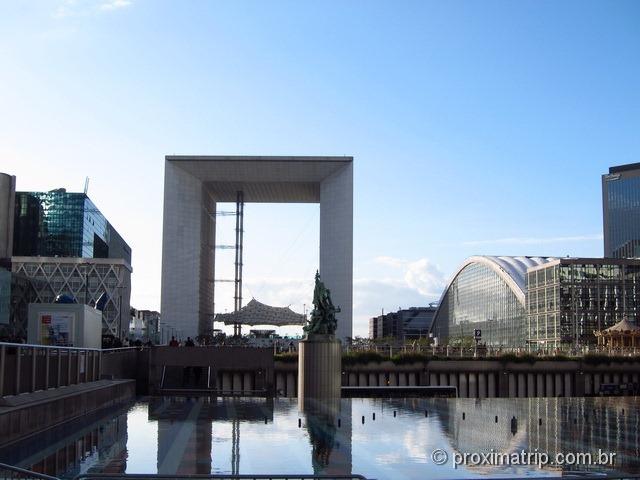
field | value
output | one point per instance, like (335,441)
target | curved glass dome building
(486,293)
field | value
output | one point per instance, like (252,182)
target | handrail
(220,476)
(45,366)
(122,349)
(53,347)
(586,475)
(26,473)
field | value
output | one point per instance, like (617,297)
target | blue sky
(476,127)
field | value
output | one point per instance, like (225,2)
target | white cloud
(114,4)
(80,8)
(425,277)
(535,240)
(421,275)
(281,292)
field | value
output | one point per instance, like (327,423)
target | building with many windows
(54,243)
(570,298)
(87,280)
(539,303)
(621,211)
(405,324)
(62,224)
(488,294)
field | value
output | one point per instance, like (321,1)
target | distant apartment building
(145,325)
(621,211)
(405,324)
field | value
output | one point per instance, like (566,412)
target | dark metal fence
(10,472)
(28,368)
(107,476)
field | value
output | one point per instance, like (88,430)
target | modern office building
(405,324)
(488,294)
(54,243)
(569,298)
(538,303)
(63,224)
(621,211)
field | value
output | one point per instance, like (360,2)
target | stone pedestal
(319,371)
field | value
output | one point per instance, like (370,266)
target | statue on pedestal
(323,317)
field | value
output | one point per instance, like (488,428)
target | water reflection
(185,429)
(213,435)
(73,448)
(328,425)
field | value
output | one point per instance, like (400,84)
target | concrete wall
(22,421)
(232,368)
(127,363)
(336,244)
(182,286)
(481,379)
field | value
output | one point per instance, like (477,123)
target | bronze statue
(323,317)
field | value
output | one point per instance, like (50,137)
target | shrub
(410,357)
(287,357)
(366,356)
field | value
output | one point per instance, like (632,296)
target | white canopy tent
(256,313)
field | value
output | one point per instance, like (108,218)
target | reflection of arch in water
(185,425)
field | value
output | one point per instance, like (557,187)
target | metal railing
(10,472)
(26,368)
(222,476)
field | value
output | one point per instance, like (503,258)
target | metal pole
(3,366)
(59,367)
(34,353)
(47,362)
(18,365)
(120,316)
(237,329)
(68,367)
(78,362)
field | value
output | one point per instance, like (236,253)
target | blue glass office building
(621,211)
(63,224)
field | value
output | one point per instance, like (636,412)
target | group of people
(187,343)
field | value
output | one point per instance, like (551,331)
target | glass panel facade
(622,215)
(479,298)
(583,298)
(61,224)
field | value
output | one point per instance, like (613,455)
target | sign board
(55,328)
(477,333)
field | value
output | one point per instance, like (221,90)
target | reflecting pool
(378,438)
